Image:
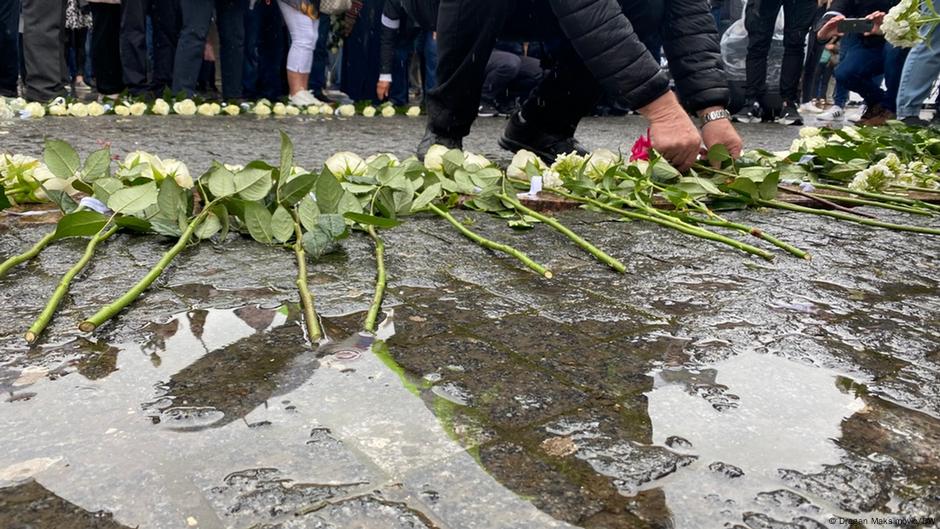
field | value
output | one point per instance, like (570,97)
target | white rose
(346,163)
(6,112)
(234,168)
(78,110)
(391,158)
(122,110)
(57,110)
(262,110)
(160,107)
(551,180)
(326,110)
(600,162)
(138,109)
(434,159)
(179,172)
(313,110)
(95,109)
(521,160)
(17,104)
(292,110)
(388,111)
(346,111)
(368,111)
(413,111)
(35,110)
(206,109)
(475,159)
(231,110)
(185,107)
(809,132)
(279,109)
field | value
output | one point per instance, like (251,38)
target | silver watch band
(715,115)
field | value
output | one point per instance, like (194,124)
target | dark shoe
(751,112)
(875,115)
(519,135)
(430,138)
(488,110)
(914,121)
(790,114)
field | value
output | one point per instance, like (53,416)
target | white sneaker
(834,113)
(304,99)
(810,107)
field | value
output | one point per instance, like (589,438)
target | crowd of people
(285,49)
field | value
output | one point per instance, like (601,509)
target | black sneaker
(751,112)
(790,114)
(488,110)
(915,121)
(431,138)
(519,135)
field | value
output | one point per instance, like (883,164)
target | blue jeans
(426,48)
(862,65)
(920,70)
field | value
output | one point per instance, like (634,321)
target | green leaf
(282,224)
(426,197)
(349,204)
(258,221)
(252,183)
(61,159)
(171,199)
(767,189)
(221,182)
(83,187)
(287,160)
(329,193)
(332,224)
(60,197)
(746,187)
(486,178)
(718,153)
(697,187)
(5,202)
(452,160)
(133,224)
(97,165)
(520,224)
(209,227)
(221,212)
(370,220)
(317,243)
(296,189)
(309,213)
(80,224)
(167,227)
(133,199)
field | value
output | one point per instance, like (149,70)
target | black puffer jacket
(605,39)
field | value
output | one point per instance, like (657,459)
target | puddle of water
(746,418)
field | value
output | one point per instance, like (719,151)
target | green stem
(878,196)
(598,254)
(306,297)
(46,315)
(877,204)
(380,280)
(743,228)
(109,311)
(27,255)
(851,218)
(674,224)
(916,189)
(492,245)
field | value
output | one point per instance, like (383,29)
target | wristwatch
(715,115)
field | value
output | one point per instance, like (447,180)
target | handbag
(335,7)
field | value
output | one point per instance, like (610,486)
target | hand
(878,17)
(672,132)
(382,89)
(830,28)
(721,132)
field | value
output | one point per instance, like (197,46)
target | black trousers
(166,21)
(196,15)
(466,33)
(76,39)
(9,47)
(44,49)
(760,18)
(509,76)
(106,47)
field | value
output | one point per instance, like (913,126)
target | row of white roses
(186,107)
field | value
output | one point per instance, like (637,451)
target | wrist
(663,108)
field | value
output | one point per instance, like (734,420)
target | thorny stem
(879,196)
(750,230)
(851,218)
(877,204)
(380,280)
(306,297)
(598,254)
(27,255)
(63,288)
(826,201)
(492,245)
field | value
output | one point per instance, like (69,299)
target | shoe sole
(487,114)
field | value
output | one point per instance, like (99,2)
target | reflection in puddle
(785,416)
(227,418)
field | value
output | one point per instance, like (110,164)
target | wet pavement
(702,389)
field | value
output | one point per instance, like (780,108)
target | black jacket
(603,36)
(858,9)
(401,20)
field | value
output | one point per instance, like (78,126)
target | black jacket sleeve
(393,19)
(606,42)
(690,40)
